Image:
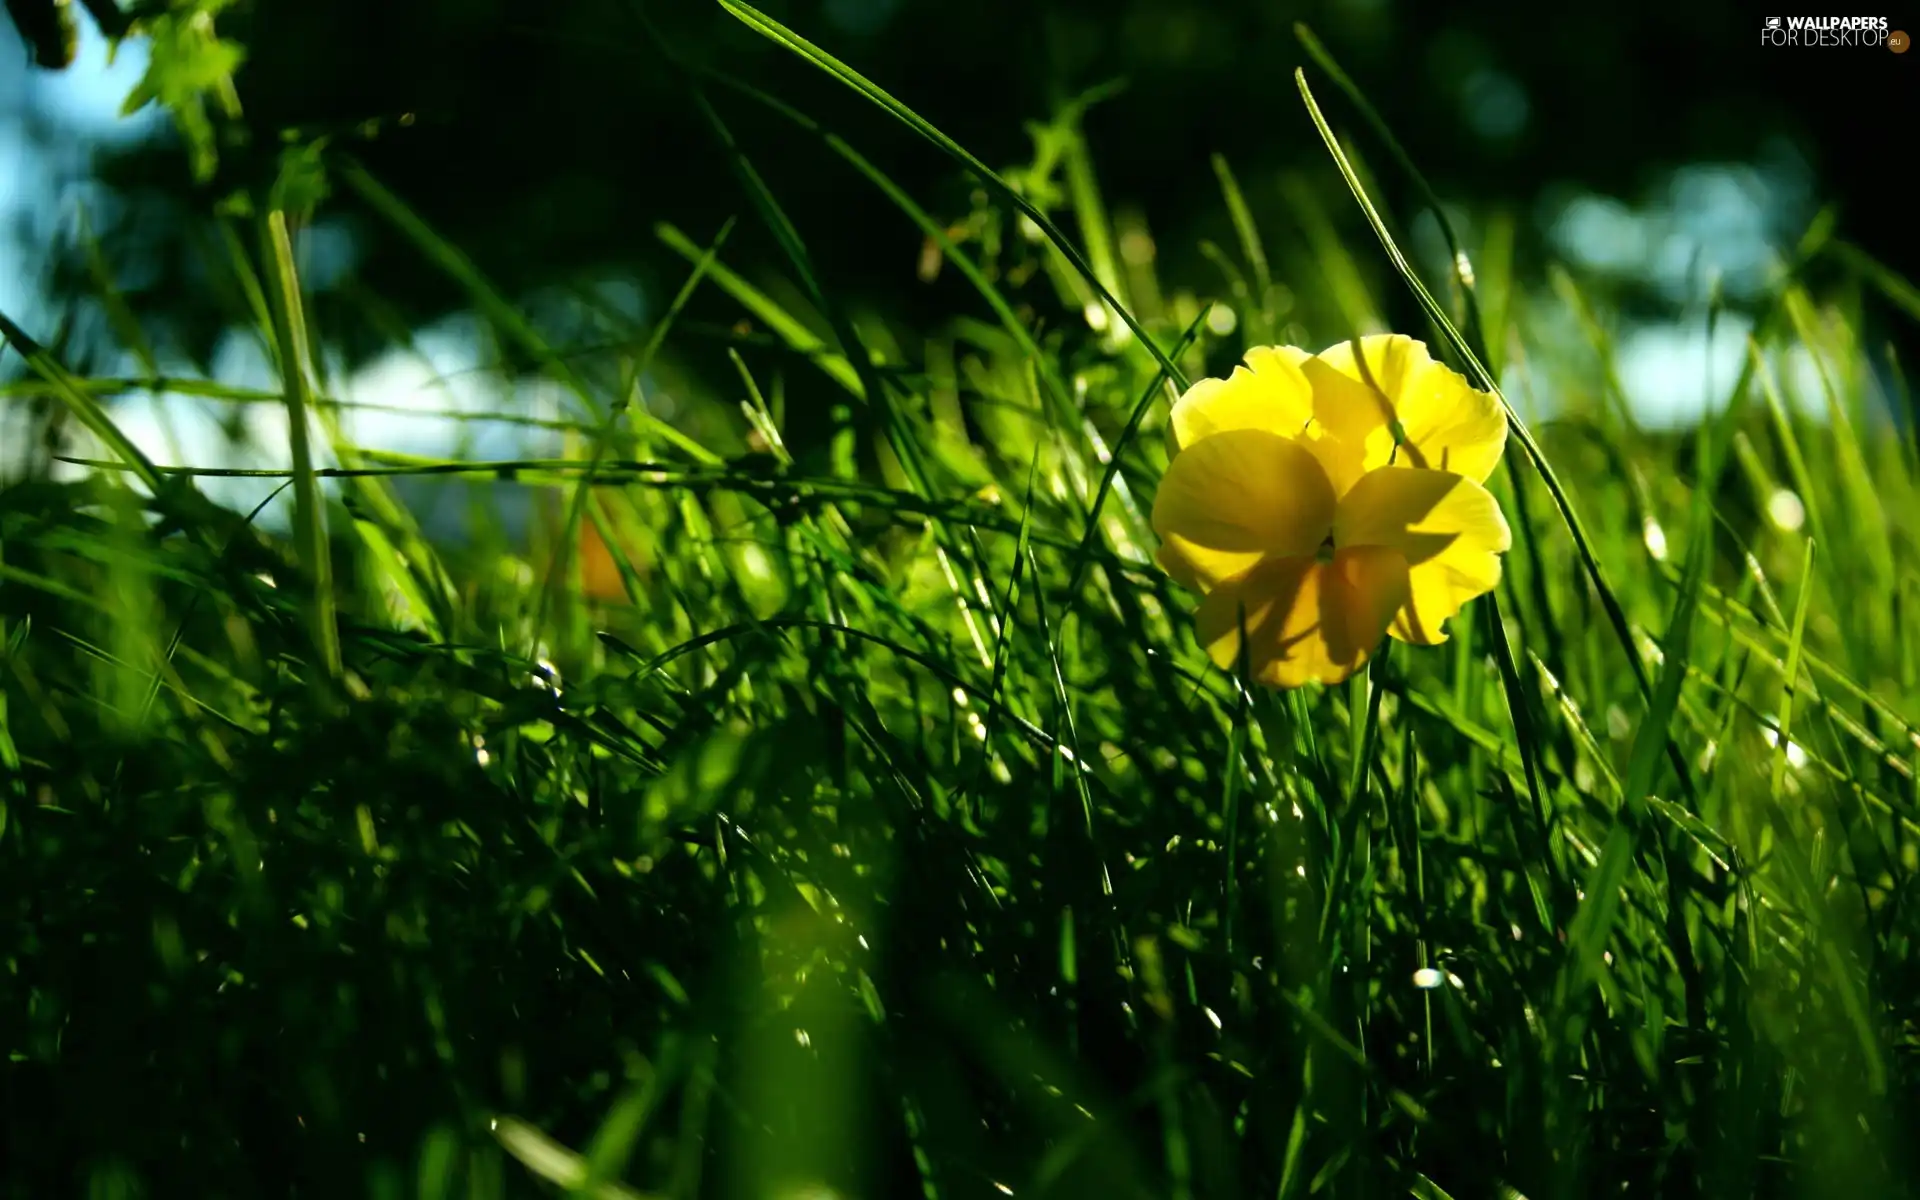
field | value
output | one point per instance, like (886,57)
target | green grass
(892,836)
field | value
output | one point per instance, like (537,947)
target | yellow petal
(1346,461)
(1305,619)
(1344,406)
(1267,358)
(1448,528)
(1268,392)
(1237,497)
(1445,423)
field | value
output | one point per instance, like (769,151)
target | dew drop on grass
(1785,510)
(1796,756)
(1463,265)
(1619,725)
(1426,979)
(1656,539)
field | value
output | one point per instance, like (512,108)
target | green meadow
(818,791)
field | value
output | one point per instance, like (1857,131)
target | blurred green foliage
(547,140)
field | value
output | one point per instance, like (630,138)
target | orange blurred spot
(599,572)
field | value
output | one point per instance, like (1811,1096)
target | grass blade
(310,511)
(780,35)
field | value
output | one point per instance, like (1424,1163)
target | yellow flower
(1327,506)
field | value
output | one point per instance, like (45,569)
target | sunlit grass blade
(603,436)
(789,328)
(1120,444)
(1460,266)
(1003,310)
(1609,598)
(773,215)
(85,408)
(310,512)
(781,35)
(1790,674)
(553,1162)
(1250,246)
(461,269)
(126,325)
(1338,271)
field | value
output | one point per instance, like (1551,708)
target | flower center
(1325,553)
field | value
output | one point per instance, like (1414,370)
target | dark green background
(550,137)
